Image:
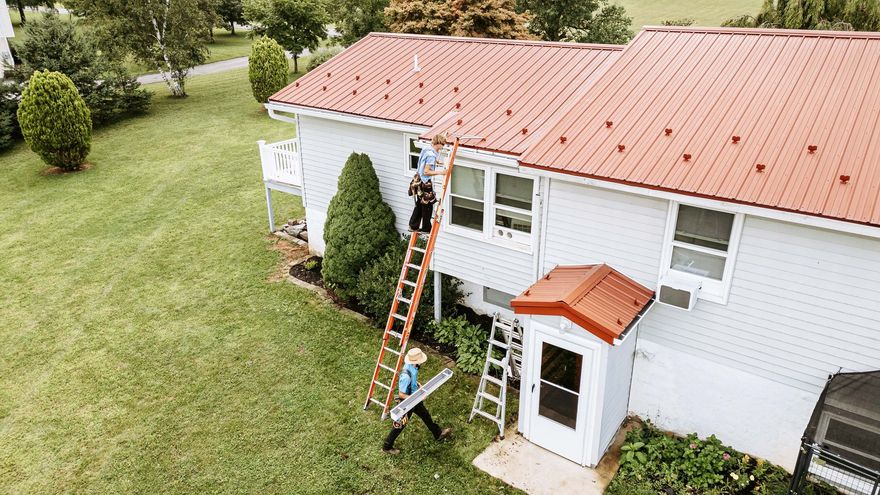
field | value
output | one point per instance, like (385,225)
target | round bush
(55,121)
(376,283)
(322,55)
(267,68)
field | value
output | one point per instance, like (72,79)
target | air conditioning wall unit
(679,292)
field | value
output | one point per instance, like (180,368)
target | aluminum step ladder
(407,294)
(505,338)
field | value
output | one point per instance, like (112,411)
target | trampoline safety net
(841,445)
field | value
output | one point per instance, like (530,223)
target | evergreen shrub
(267,68)
(359,228)
(55,120)
(322,55)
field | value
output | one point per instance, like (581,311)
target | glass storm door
(559,396)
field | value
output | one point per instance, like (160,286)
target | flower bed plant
(654,462)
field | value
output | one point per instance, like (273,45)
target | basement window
(701,244)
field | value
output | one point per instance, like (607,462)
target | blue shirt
(408,381)
(428,157)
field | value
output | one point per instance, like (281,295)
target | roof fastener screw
(687,156)
(459,122)
(563,139)
(421,100)
(328,74)
(458,105)
(455,89)
(812,148)
(735,139)
(323,88)
(386,96)
(844,179)
(668,131)
(509,112)
(608,123)
(387,81)
(524,130)
(357,78)
(354,91)
(421,85)
(619,322)
(620,148)
(297,84)
(528,292)
(760,167)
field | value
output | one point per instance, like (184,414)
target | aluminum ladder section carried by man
(421,394)
(407,293)
(508,366)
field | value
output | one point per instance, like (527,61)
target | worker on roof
(407,384)
(422,188)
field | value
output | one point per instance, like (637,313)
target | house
(733,175)
(6,32)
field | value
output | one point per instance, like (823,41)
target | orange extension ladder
(398,326)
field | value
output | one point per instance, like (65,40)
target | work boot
(391,451)
(444,434)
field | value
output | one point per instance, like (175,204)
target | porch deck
(282,171)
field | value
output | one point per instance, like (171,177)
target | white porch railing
(281,162)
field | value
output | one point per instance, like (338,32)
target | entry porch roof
(597,298)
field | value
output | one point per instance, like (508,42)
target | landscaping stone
(304,235)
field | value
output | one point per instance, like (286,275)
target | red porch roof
(598,298)
(784,119)
(503,90)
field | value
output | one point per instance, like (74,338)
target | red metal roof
(776,118)
(497,87)
(597,298)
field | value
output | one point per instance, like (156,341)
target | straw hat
(415,356)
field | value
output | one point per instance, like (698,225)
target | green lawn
(144,349)
(704,12)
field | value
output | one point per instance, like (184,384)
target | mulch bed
(312,276)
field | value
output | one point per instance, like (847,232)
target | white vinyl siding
(803,301)
(617,388)
(326,146)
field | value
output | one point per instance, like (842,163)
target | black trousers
(421,217)
(421,411)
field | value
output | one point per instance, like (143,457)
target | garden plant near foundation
(653,462)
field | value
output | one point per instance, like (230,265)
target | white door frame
(593,380)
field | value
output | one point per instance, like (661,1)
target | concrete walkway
(536,471)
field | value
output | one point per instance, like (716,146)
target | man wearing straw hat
(407,384)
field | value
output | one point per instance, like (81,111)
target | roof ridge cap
(500,41)
(805,33)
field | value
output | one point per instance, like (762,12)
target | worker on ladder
(408,384)
(423,189)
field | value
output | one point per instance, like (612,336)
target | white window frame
(408,172)
(518,241)
(713,290)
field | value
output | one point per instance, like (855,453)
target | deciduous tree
(294,24)
(358,18)
(489,19)
(55,120)
(267,68)
(842,15)
(169,35)
(420,16)
(230,12)
(593,21)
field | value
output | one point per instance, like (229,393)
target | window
(466,197)
(701,246)
(493,204)
(412,155)
(560,384)
(513,207)
(496,297)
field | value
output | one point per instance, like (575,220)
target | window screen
(466,202)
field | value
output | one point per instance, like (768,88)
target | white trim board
(757,211)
